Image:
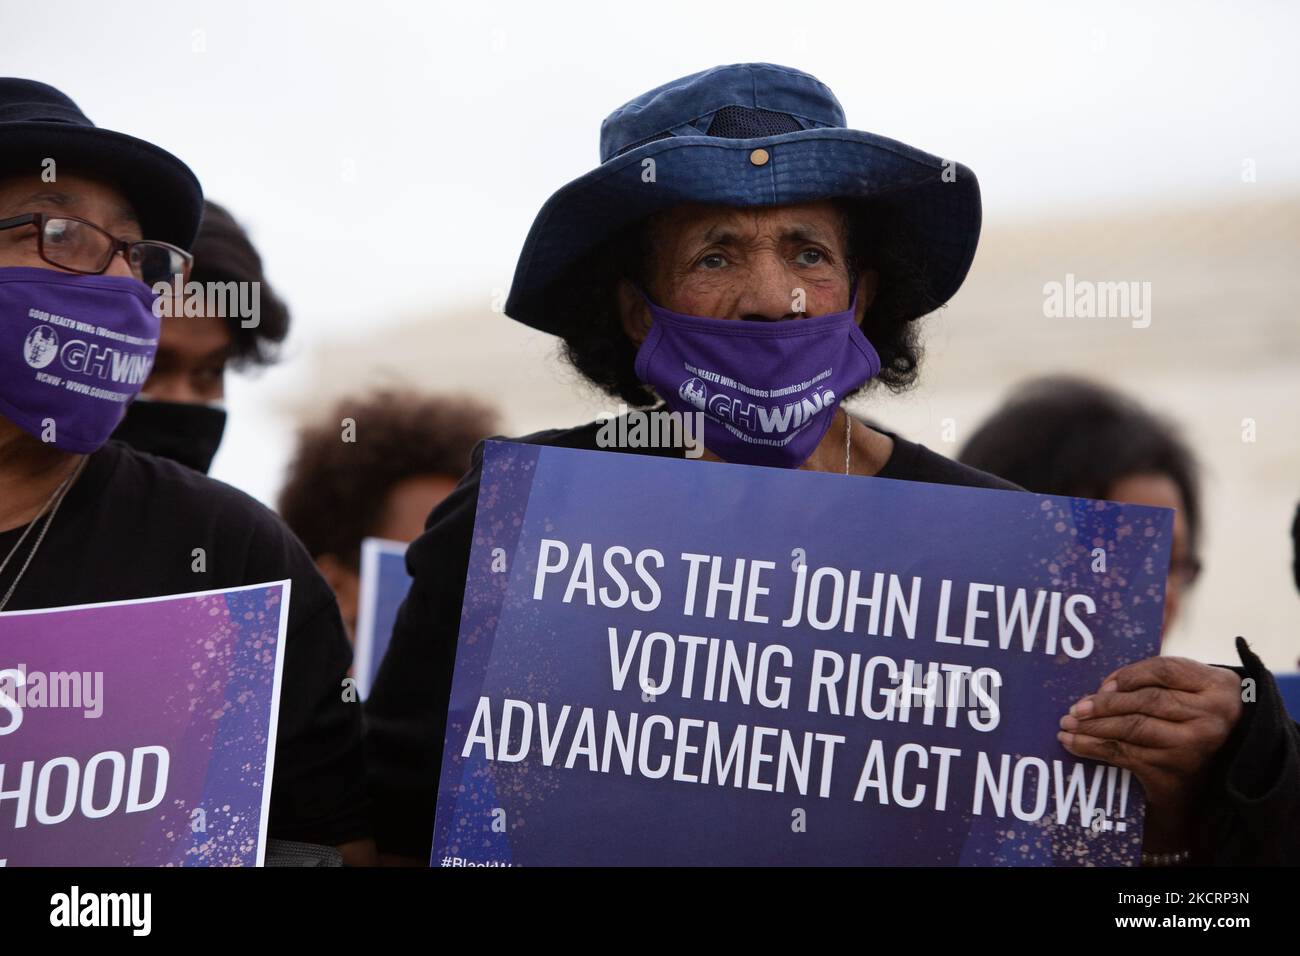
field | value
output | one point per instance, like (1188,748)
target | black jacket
(1250,813)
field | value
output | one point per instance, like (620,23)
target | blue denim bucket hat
(748,134)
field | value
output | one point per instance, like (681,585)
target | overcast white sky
(390,156)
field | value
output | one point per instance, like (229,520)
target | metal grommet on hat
(759,157)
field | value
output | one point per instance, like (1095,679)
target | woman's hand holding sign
(1164,718)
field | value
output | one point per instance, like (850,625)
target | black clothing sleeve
(318,792)
(406,712)
(1251,809)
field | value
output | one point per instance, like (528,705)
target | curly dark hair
(336,491)
(585,305)
(1063,435)
(224,253)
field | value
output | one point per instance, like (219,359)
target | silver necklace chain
(52,506)
(848,447)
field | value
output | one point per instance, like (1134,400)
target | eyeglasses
(80,246)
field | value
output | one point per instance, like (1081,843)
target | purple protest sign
(731,665)
(141,733)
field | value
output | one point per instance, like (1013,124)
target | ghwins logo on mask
(694,393)
(783,419)
(41,346)
(86,358)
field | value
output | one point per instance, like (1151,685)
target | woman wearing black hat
(89,221)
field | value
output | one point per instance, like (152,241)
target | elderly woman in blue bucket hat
(738,237)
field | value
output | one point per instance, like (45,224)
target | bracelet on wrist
(1166,859)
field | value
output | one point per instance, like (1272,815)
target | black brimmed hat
(37,122)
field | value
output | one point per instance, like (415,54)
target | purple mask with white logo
(767,390)
(74,351)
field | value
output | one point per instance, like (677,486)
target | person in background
(84,519)
(1061,435)
(409,451)
(179,413)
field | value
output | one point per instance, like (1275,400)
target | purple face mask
(768,390)
(74,351)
